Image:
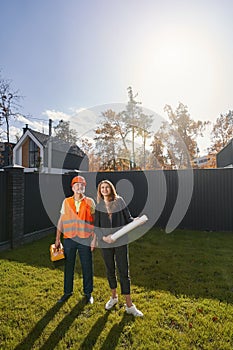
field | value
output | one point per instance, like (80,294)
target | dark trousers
(113,257)
(85,256)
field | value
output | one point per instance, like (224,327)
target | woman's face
(105,189)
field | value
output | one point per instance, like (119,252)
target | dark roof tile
(58,145)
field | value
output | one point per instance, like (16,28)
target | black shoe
(64,298)
(89,299)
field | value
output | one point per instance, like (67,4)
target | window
(34,154)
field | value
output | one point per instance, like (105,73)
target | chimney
(25,129)
(50,127)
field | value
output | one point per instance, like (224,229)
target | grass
(182,282)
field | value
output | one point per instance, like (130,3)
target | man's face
(78,188)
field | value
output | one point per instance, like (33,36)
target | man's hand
(93,243)
(57,243)
(58,234)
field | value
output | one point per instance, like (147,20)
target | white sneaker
(132,310)
(111,303)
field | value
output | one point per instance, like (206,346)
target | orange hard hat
(78,179)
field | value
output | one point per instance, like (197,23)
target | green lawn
(182,282)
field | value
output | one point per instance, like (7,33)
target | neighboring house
(6,153)
(225,156)
(205,162)
(36,151)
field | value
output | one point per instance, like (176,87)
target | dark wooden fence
(35,216)
(210,207)
(3,207)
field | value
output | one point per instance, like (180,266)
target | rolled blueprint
(137,222)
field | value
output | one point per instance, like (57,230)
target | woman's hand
(108,239)
(137,218)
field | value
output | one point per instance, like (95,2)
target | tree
(158,152)
(9,107)
(112,135)
(63,132)
(106,139)
(87,146)
(144,124)
(138,123)
(140,159)
(117,122)
(131,118)
(179,136)
(222,131)
(111,138)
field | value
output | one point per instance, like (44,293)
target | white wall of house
(17,151)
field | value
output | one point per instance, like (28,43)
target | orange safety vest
(79,224)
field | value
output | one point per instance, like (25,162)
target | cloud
(82,120)
(56,115)
(23,119)
(33,124)
(15,133)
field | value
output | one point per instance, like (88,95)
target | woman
(110,215)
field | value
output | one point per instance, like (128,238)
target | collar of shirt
(79,200)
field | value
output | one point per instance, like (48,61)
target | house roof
(58,144)
(230,142)
(42,138)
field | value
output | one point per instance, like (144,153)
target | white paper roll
(137,222)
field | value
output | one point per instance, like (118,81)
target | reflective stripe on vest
(79,224)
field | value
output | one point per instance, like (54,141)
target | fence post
(15,203)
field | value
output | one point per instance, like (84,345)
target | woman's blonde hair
(113,193)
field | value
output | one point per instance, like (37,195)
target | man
(77,224)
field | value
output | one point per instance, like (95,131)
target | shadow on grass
(116,331)
(57,334)
(63,327)
(35,333)
(97,328)
(113,336)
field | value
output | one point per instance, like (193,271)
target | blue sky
(66,56)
